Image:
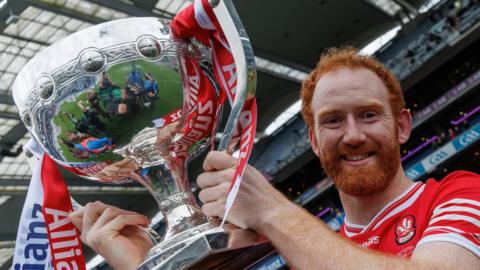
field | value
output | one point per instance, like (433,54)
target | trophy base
(229,248)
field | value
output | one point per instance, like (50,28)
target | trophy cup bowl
(114,103)
(110,103)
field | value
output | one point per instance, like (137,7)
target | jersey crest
(405,229)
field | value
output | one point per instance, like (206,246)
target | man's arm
(304,241)
(307,243)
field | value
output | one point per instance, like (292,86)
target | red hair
(348,57)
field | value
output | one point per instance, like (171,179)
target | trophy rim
(51,59)
(108,43)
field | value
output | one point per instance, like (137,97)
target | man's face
(355,134)
(122,108)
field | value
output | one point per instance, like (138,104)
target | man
(94,101)
(91,118)
(354,110)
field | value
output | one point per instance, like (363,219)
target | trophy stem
(169,186)
(181,213)
(164,175)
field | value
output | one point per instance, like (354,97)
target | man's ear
(313,141)
(404,126)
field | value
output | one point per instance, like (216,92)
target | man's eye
(369,114)
(332,122)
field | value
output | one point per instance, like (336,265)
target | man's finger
(214,209)
(109,214)
(214,178)
(91,213)
(76,217)
(216,160)
(214,193)
(120,221)
(208,179)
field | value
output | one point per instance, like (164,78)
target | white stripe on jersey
(353,226)
(452,238)
(347,233)
(352,229)
(443,228)
(401,207)
(439,211)
(469,219)
(381,212)
(458,201)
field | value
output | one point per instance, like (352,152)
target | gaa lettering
(437,157)
(469,137)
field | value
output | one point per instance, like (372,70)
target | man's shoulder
(455,182)
(462,175)
(452,207)
(456,187)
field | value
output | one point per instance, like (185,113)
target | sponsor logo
(201,112)
(64,241)
(199,127)
(405,230)
(374,240)
(168,119)
(33,245)
(193,89)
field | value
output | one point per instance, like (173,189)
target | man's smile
(357,159)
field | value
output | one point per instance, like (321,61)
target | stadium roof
(285,52)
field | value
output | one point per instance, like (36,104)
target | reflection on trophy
(115,103)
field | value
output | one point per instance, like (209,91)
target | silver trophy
(114,103)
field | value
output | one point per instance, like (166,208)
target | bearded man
(354,109)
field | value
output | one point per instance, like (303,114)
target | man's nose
(353,134)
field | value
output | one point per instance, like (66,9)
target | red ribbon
(64,240)
(198,21)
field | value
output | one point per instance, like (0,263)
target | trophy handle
(242,52)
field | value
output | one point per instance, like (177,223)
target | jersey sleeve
(456,212)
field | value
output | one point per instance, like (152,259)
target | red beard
(368,179)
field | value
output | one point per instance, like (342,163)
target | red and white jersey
(447,211)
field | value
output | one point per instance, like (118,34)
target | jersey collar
(398,204)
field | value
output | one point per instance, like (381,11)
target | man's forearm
(307,243)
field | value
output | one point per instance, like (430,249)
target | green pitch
(121,129)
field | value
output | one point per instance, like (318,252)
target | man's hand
(117,235)
(255,199)
(125,168)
